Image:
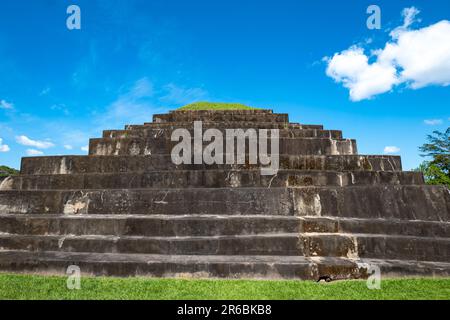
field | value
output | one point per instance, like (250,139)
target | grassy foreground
(52,287)
(215,106)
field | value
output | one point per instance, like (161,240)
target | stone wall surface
(127,210)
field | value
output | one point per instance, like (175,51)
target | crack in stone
(164,198)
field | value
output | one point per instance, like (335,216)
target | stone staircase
(127,210)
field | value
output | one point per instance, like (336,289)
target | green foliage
(437,171)
(53,288)
(438,144)
(433,174)
(215,106)
(7,171)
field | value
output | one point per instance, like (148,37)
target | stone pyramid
(127,210)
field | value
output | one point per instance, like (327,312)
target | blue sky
(59,87)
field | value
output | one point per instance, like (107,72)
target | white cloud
(409,17)
(125,111)
(6,105)
(68,147)
(142,88)
(24,140)
(179,95)
(133,106)
(364,80)
(34,152)
(423,55)
(85,148)
(73,137)
(60,107)
(417,58)
(137,102)
(433,122)
(391,149)
(45,91)
(3,147)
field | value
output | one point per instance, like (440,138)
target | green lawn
(51,287)
(215,106)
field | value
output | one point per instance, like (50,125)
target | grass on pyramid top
(7,171)
(203,105)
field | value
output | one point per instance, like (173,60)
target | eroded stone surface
(127,210)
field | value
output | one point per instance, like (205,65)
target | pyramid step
(149,201)
(208,179)
(291,146)
(221,117)
(377,246)
(122,164)
(232,267)
(125,265)
(262,244)
(158,226)
(225,125)
(384,201)
(292,244)
(417,228)
(167,132)
(211,225)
